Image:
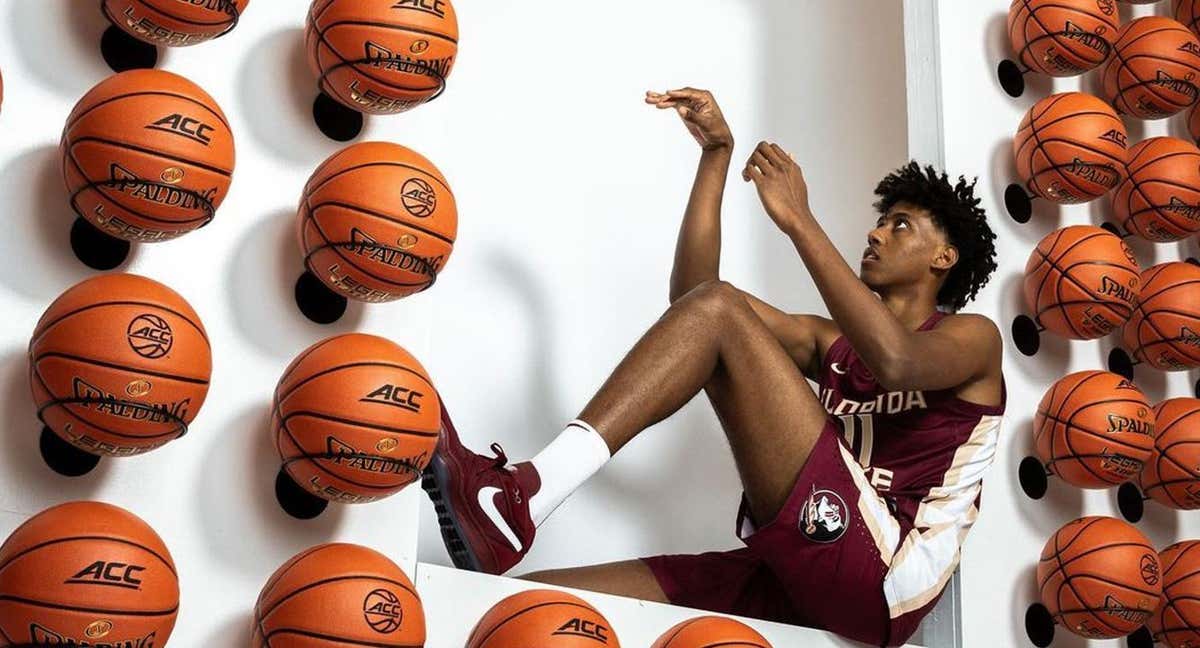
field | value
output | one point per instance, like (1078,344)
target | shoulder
(978,331)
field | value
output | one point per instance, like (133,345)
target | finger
(780,155)
(685,113)
(687,93)
(752,173)
(760,160)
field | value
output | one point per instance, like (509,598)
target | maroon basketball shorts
(823,562)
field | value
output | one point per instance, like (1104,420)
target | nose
(874,237)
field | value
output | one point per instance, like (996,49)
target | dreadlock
(956,210)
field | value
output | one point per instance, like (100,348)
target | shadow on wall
(245,527)
(261,281)
(38,230)
(276,67)
(69,66)
(24,477)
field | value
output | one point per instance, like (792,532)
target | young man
(857,499)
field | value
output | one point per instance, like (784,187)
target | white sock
(570,459)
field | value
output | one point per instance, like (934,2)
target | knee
(713,297)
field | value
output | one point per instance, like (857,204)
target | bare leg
(711,339)
(630,578)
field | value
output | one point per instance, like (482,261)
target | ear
(945,258)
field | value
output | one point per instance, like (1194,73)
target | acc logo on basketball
(1149,567)
(418,197)
(583,628)
(382,611)
(184,126)
(435,7)
(150,336)
(114,574)
(824,517)
(396,396)
(98,629)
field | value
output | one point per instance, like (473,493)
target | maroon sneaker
(482,504)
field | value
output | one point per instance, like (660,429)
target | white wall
(1001,554)
(570,193)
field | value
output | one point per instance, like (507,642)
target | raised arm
(698,248)
(959,350)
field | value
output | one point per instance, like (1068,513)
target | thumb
(684,112)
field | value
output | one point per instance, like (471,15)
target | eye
(900,222)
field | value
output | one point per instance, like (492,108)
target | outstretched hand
(780,183)
(700,114)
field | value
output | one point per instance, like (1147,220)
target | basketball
(1176,623)
(86,574)
(1081,282)
(1099,577)
(1159,200)
(341,594)
(1152,72)
(381,56)
(711,632)
(147,156)
(377,222)
(174,23)
(1070,148)
(1094,429)
(1171,476)
(355,418)
(543,618)
(1187,12)
(119,365)
(1164,329)
(1062,37)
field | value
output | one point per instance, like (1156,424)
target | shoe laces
(501,463)
(501,459)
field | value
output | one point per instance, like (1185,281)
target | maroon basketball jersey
(909,443)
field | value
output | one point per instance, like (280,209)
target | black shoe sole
(432,480)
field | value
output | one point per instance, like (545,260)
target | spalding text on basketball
(43,636)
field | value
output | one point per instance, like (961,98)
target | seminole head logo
(824,517)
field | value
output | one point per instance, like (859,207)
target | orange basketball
(543,618)
(174,23)
(147,156)
(1070,148)
(381,56)
(1172,474)
(1062,37)
(355,418)
(1094,429)
(1099,577)
(711,632)
(339,595)
(86,574)
(377,222)
(1159,200)
(1176,623)
(1152,72)
(119,365)
(1187,12)
(1164,329)
(1081,282)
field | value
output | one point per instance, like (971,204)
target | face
(906,247)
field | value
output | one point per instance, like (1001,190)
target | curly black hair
(956,210)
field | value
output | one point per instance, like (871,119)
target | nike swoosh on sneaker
(487,502)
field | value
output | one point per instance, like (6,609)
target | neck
(911,307)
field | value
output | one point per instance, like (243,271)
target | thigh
(767,409)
